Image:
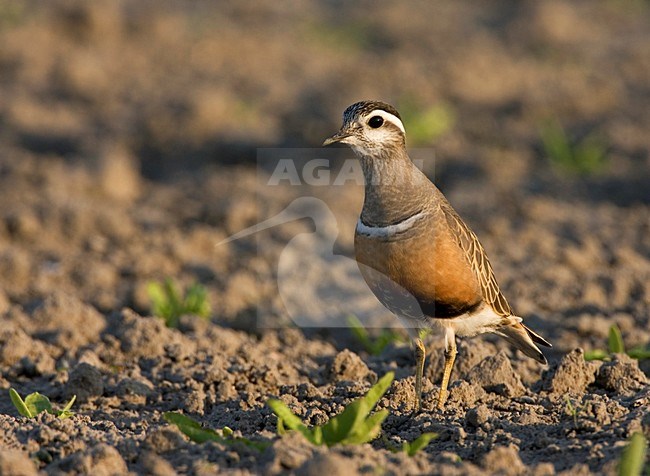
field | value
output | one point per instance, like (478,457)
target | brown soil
(128,149)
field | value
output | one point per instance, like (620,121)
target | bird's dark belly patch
(446,310)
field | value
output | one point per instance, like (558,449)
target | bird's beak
(340,136)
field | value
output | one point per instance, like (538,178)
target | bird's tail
(525,340)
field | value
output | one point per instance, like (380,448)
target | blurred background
(129,130)
(179,85)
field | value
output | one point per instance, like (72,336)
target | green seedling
(374,346)
(573,410)
(615,341)
(615,345)
(425,126)
(195,432)
(36,403)
(353,426)
(412,447)
(421,442)
(639,353)
(167,302)
(585,157)
(633,459)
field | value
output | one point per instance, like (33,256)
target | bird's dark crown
(361,108)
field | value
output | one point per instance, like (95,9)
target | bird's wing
(478,260)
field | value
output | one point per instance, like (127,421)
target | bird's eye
(376,121)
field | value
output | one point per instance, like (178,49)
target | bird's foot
(442,398)
(417,404)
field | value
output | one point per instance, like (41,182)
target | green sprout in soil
(374,346)
(634,457)
(195,432)
(615,345)
(36,403)
(168,303)
(353,426)
(412,447)
(426,125)
(574,410)
(584,157)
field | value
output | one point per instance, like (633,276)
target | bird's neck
(395,188)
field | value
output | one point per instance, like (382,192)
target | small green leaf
(168,302)
(66,412)
(317,436)
(419,443)
(370,345)
(426,125)
(351,426)
(556,143)
(349,421)
(291,421)
(360,332)
(38,403)
(583,157)
(195,432)
(281,429)
(196,301)
(192,429)
(615,341)
(596,355)
(172,293)
(639,353)
(367,431)
(633,458)
(228,434)
(19,404)
(156,295)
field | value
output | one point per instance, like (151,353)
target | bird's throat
(394,189)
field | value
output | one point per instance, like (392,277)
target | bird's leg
(450,357)
(420,355)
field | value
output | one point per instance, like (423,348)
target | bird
(412,247)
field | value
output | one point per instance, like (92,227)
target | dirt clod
(571,375)
(163,440)
(20,350)
(465,393)
(16,463)
(101,460)
(477,417)
(151,463)
(290,453)
(331,463)
(504,460)
(67,322)
(621,375)
(495,374)
(348,366)
(85,382)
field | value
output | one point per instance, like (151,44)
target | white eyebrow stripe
(390,230)
(388,117)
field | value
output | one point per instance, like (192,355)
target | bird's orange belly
(435,272)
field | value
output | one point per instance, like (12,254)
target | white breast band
(390,230)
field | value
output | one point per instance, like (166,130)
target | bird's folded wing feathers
(478,260)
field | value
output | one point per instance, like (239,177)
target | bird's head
(371,128)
